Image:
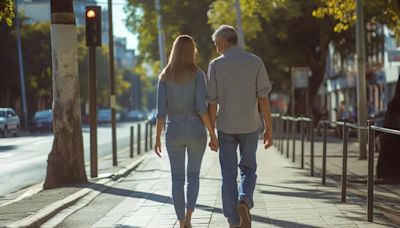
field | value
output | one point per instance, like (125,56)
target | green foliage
(7,11)
(343,12)
(179,17)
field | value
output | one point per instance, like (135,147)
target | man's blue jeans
(231,193)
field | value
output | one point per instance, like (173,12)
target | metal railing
(285,128)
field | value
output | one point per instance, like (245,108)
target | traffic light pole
(112,84)
(93,116)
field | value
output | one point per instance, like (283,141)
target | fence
(285,128)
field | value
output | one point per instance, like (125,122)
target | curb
(51,210)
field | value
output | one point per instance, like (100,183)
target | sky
(118,22)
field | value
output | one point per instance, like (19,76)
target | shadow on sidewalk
(166,199)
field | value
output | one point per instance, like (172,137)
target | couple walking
(236,87)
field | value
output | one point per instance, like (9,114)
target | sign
(300,76)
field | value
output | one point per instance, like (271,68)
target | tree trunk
(389,156)
(65,162)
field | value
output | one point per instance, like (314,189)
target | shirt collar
(233,49)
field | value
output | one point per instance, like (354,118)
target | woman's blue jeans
(185,134)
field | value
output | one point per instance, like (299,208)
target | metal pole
(131,142)
(324,154)
(312,147)
(370,180)
(161,39)
(294,141)
(361,85)
(344,161)
(138,139)
(21,68)
(282,134)
(93,111)
(302,143)
(146,137)
(239,24)
(287,138)
(151,136)
(113,100)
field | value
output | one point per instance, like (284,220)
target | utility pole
(21,68)
(361,83)
(161,37)
(239,24)
(113,98)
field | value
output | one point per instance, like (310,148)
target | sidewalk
(387,196)
(285,196)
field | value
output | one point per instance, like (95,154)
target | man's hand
(157,148)
(267,139)
(214,145)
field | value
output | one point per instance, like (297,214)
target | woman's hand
(157,147)
(214,145)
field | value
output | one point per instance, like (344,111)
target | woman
(182,101)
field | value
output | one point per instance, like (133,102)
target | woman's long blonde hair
(181,64)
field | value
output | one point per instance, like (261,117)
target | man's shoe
(244,214)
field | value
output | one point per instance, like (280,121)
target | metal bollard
(324,154)
(282,134)
(146,137)
(302,143)
(344,161)
(370,180)
(312,148)
(151,136)
(287,138)
(139,139)
(131,143)
(294,141)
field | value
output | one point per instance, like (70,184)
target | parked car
(152,118)
(104,116)
(136,115)
(42,121)
(9,122)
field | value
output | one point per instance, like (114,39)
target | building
(383,62)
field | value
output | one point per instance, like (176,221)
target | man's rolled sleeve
(201,94)
(263,83)
(212,92)
(162,100)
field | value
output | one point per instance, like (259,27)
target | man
(238,83)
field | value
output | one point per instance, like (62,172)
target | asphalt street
(23,160)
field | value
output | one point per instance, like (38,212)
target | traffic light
(93,25)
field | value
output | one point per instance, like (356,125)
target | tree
(288,36)
(7,11)
(65,161)
(179,17)
(387,166)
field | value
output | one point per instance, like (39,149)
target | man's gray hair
(226,32)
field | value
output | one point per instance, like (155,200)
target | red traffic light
(90,14)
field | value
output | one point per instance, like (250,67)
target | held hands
(214,145)
(267,139)
(157,147)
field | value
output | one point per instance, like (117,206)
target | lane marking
(6,155)
(42,141)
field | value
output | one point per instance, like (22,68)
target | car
(104,116)
(9,122)
(152,118)
(42,121)
(136,115)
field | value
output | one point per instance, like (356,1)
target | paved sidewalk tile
(285,196)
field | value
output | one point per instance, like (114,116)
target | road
(23,160)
